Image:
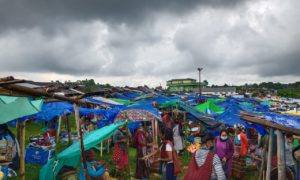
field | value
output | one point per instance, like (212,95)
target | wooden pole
(269,157)
(101,146)
(156,132)
(80,138)
(36,92)
(70,141)
(18,130)
(153,130)
(108,145)
(281,156)
(262,168)
(58,129)
(22,149)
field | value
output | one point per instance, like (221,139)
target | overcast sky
(137,42)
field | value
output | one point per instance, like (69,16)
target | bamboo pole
(108,145)
(101,147)
(12,82)
(153,130)
(80,138)
(36,92)
(156,132)
(58,129)
(70,141)
(281,156)
(22,149)
(262,168)
(8,78)
(269,157)
(18,130)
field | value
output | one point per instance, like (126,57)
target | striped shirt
(217,170)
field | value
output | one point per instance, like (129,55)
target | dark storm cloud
(156,38)
(44,13)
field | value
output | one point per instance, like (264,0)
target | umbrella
(138,113)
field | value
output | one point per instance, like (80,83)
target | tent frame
(8,86)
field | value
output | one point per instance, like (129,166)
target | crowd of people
(226,156)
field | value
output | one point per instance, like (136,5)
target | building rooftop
(181,79)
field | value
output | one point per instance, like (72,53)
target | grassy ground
(32,171)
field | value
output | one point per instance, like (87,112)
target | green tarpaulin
(216,100)
(209,108)
(266,103)
(121,101)
(71,155)
(169,104)
(12,108)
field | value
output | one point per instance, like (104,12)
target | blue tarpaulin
(286,120)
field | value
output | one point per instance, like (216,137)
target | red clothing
(194,171)
(244,144)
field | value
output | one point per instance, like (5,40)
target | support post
(58,129)
(18,130)
(156,132)
(70,141)
(22,149)
(153,130)
(79,132)
(101,147)
(281,156)
(108,145)
(269,157)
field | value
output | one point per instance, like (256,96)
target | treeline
(88,85)
(291,90)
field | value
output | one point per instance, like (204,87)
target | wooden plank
(40,93)
(22,150)
(12,82)
(79,132)
(8,78)
(269,157)
(70,141)
(58,129)
(281,156)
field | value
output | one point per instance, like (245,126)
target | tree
(205,83)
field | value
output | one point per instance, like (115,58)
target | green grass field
(32,171)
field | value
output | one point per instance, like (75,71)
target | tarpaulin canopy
(266,103)
(168,104)
(132,95)
(286,120)
(231,117)
(12,108)
(104,101)
(138,112)
(121,96)
(71,155)
(121,101)
(209,108)
(197,117)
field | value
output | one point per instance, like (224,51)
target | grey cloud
(44,13)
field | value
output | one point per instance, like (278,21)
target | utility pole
(200,89)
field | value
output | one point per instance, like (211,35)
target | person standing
(289,160)
(120,153)
(205,164)
(244,142)
(224,149)
(178,140)
(141,171)
(168,157)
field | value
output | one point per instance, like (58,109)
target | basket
(6,151)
